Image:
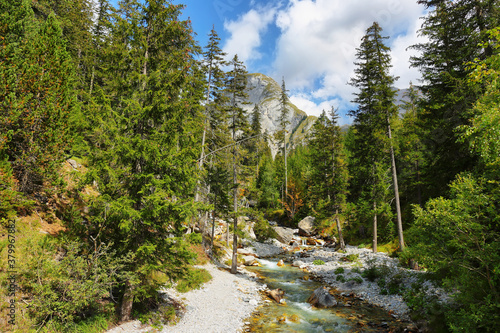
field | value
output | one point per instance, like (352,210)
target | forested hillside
(120,136)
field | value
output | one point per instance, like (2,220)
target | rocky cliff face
(265,92)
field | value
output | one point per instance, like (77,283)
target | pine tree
(215,99)
(376,108)
(280,134)
(36,95)
(145,147)
(329,176)
(235,89)
(454,30)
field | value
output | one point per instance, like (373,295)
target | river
(352,314)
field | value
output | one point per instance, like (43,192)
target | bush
(356,279)
(340,278)
(66,283)
(193,280)
(339,270)
(350,257)
(263,230)
(459,237)
(318,262)
(194,238)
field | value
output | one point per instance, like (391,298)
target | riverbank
(373,277)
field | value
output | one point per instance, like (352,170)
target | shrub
(194,238)
(263,230)
(339,270)
(350,257)
(318,262)
(193,280)
(340,278)
(356,279)
(67,283)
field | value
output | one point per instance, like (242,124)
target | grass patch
(318,262)
(339,270)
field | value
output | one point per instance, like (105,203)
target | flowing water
(299,316)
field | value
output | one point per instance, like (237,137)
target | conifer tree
(215,99)
(36,94)
(454,30)
(235,89)
(375,110)
(280,135)
(329,169)
(145,148)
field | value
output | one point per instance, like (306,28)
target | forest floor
(221,305)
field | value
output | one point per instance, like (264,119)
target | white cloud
(246,33)
(318,42)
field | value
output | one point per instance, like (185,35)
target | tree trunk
(203,138)
(235,206)
(339,230)
(127,302)
(396,191)
(419,192)
(286,166)
(374,244)
(213,234)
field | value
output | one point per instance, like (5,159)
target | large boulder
(284,235)
(321,298)
(306,227)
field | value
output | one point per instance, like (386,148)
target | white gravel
(222,305)
(369,291)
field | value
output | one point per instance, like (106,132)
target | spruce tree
(329,176)
(455,30)
(375,110)
(280,134)
(215,99)
(145,147)
(235,89)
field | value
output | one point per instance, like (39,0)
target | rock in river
(321,298)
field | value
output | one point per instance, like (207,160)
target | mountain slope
(264,92)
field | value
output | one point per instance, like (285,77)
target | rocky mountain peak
(264,92)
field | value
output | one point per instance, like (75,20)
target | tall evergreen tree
(280,134)
(235,88)
(376,107)
(329,169)
(454,30)
(143,157)
(215,99)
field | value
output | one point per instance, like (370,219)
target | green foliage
(340,278)
(356,279)
(12,201)
(455,32)
(36,95)
(350,257)
(318,262)
(194,279)
(459,238)
(263,230)
(339,270)
(194,238)
(67,283)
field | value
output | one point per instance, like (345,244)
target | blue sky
(311,43)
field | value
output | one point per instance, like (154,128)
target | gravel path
(220,306)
